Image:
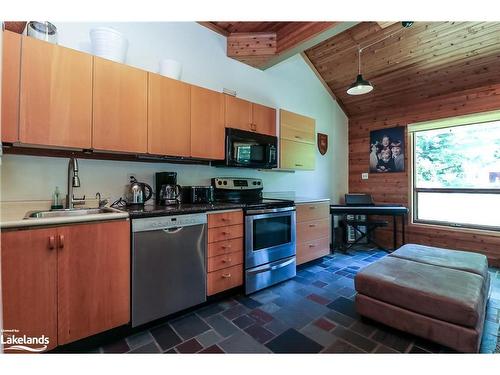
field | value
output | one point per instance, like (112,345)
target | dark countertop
(151,210)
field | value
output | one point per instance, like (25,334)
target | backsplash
(35,178)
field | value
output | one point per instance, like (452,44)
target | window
(456,171)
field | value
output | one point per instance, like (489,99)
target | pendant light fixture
(360,86)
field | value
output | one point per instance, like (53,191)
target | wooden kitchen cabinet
(225,251)
(297,155)
(297,141)
(11,70)
(93,269)
(29,283)
(237,113)
(55,95)
(264,119)
(169,116)
(207,124)
(120,107)
(313,231)
(245,115)
(66,282)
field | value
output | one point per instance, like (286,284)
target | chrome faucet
(73,181)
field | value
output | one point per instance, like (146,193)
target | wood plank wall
(394,188)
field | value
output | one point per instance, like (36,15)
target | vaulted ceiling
(412,65)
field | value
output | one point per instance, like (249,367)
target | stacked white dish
(109,44)
(171,68)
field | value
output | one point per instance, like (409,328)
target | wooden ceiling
(412,66)
(264,44)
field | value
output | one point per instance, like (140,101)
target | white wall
(290,85)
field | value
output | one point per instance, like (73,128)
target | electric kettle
(138,192)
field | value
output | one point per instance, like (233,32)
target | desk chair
(369,224)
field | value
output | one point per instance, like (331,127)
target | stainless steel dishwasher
(168,265)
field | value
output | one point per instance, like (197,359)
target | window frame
(414,190)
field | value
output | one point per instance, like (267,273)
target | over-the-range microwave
(249,149)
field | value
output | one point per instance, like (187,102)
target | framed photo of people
(387,150)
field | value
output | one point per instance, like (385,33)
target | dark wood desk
(379,209)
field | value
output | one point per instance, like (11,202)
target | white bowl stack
(171,68)
(109,44)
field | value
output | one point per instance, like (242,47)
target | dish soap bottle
(56,200)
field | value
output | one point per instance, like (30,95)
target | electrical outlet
(364,176)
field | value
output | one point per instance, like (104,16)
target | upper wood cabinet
(11,70)
(56,95)
(295,127)
(29,283)
(66,282)
(297,141)
(169,116)
(93,269)
(245,115)
(207,124)
(238,113)
(264,119)
(120,115)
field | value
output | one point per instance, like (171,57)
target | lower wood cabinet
(313,231)
(225,251)
(67,282)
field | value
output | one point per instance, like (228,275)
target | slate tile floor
(312,313)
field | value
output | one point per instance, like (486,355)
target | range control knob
(258,182)
(225,182)
(219,182)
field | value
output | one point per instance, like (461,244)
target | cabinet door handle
(226,275)
(225,247)
(298,137)
(226,260)
(299,165)
(61,241)
(312,207)
(311,246)
(312,225)
(52,242)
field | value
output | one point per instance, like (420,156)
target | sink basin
(69,213)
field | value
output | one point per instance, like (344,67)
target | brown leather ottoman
(428,299)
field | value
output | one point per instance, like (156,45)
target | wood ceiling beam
(264,49)
(212,26)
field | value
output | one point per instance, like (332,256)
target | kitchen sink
(69,212)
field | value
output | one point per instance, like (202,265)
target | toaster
(197,194)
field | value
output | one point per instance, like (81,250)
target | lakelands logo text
(11,341)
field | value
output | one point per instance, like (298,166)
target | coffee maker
(167,191)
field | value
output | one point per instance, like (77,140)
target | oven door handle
(272,266)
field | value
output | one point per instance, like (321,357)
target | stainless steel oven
(270,242)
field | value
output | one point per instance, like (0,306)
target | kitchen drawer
(225,233)
(307,251)
(313,211)
(224,279)
(224,261)
(225,247)
(225,218)
(314,229)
